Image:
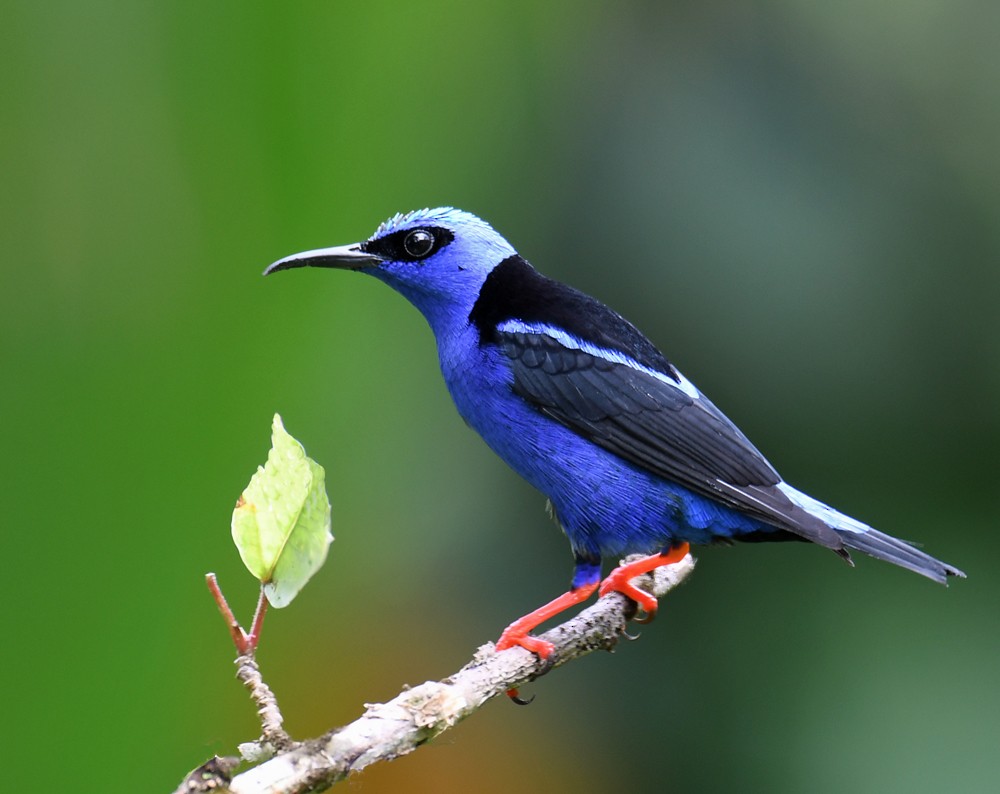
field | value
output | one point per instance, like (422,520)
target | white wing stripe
(614,356)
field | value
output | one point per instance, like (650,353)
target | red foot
(619,579)
(512,637)
(517,632)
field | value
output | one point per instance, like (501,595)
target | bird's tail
(861,537)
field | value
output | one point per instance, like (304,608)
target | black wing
(655,425)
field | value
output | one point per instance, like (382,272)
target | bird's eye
(418,243)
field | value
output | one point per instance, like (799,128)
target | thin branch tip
(240,638)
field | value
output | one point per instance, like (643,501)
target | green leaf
(281,524)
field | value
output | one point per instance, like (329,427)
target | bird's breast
(479,378)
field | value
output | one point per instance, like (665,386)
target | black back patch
(514,290)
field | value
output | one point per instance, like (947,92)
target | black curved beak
(345,257)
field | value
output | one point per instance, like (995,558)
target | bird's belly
(605,505)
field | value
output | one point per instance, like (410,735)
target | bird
(631,456)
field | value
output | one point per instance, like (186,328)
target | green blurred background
(800,202)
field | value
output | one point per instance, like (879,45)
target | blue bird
(632,457)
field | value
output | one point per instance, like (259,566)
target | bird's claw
(543,649)
(511,638)
(645,603)
(516,698)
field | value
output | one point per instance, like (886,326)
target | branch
(389,730)
(273,738)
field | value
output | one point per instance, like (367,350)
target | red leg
(517,632)
(619,579)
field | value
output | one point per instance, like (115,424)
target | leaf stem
(258,622)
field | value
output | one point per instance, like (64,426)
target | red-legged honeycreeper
(633,458)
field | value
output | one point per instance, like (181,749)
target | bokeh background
(800,202)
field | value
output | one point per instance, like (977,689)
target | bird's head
(437,258)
